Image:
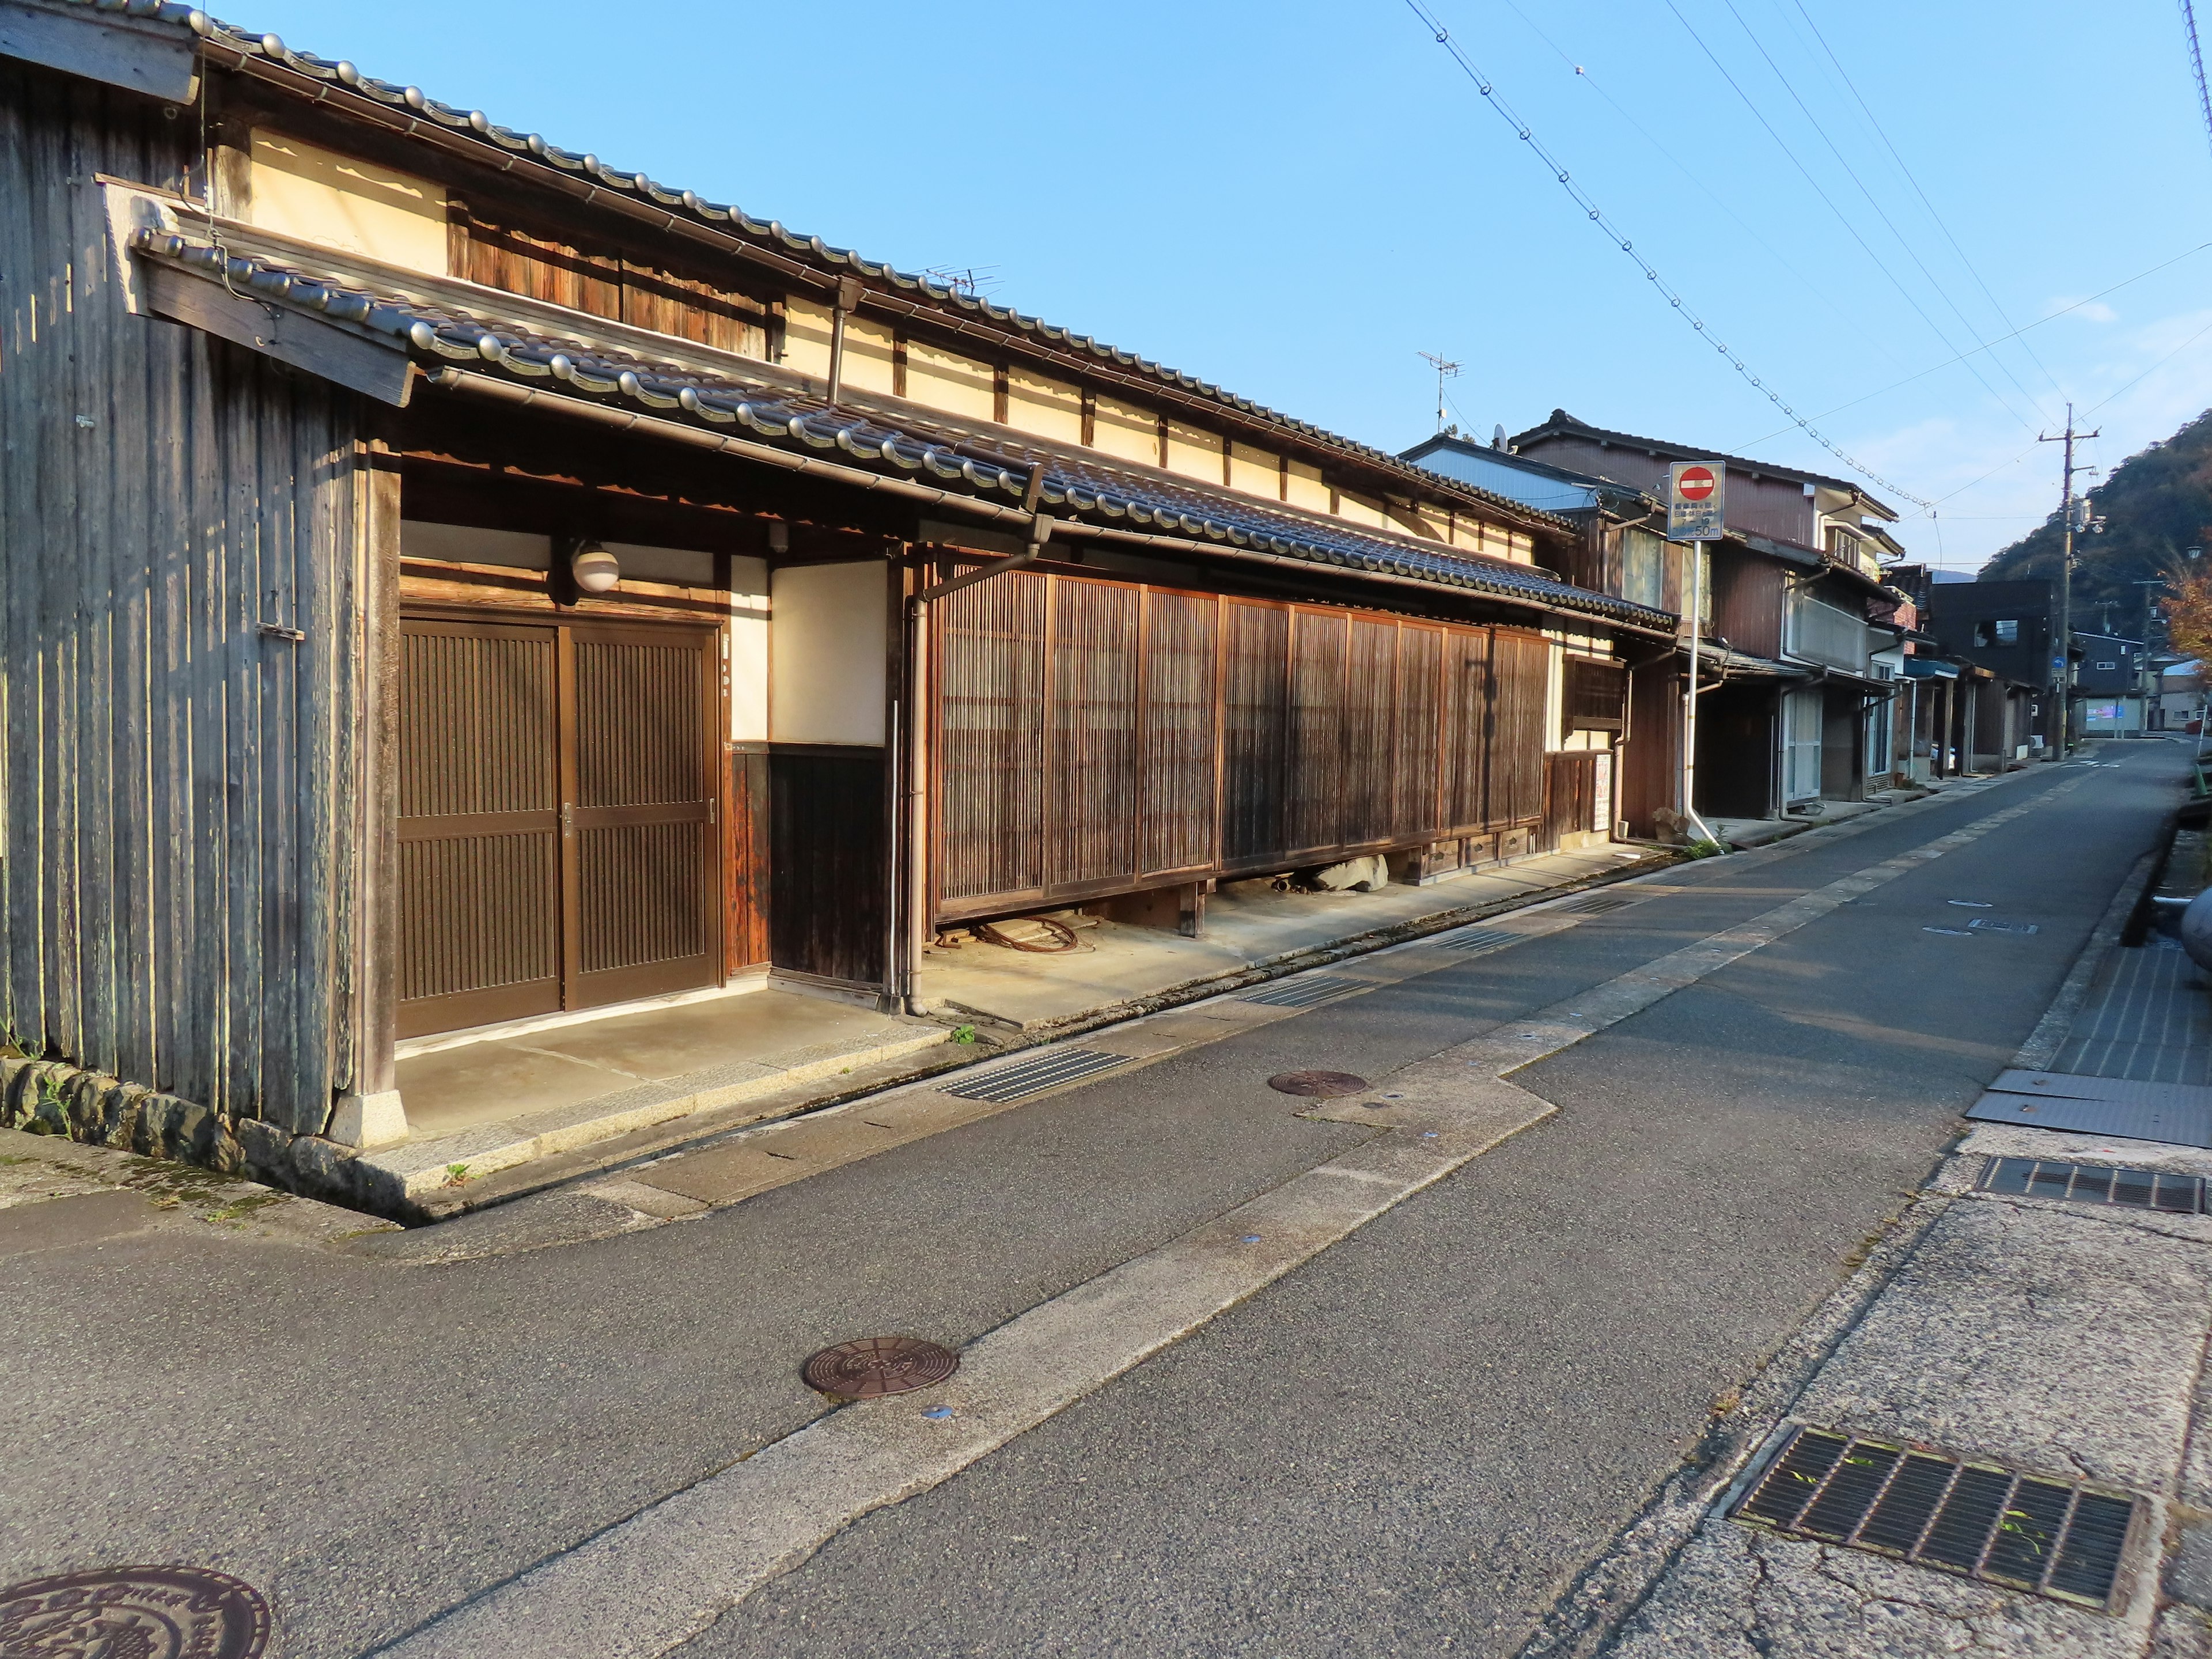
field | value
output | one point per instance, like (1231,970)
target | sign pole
(1695,515)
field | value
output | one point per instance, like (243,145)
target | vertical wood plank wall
(178,816)
(1093,737)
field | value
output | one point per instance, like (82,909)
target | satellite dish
(1498,436)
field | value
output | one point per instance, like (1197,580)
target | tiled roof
(1563,422)
(897,439)
(768,234)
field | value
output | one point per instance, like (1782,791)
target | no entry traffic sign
(1694,497)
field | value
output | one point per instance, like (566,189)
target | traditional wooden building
(450,580)
(1793,699)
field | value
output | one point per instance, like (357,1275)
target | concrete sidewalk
(497,1114)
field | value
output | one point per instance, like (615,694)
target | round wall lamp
(595,569)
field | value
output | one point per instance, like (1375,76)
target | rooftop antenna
(1445,370)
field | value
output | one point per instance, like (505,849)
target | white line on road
(647,1583)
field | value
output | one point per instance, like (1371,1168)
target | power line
(1881,213)
(1941,224)
(1782,144)
(1720,199)
(2196,62)
(2048,317)
(1597,216)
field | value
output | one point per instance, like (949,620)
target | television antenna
(1446,370)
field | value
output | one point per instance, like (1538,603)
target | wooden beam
(141,54)
(306,343)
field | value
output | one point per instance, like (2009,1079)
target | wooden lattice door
(556,812)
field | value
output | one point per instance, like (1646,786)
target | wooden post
(369,1112)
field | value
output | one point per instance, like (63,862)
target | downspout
(846,302)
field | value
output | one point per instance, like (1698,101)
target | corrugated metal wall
(1078,722)
(174,825)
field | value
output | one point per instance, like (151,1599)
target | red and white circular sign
(1696,483)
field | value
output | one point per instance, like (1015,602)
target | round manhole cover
(879,1366)
(144,1613)
(1324,1085)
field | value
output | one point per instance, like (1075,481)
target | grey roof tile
(912,442)
(772,233)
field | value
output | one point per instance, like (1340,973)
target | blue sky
(1295,199)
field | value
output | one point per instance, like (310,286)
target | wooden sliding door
(556,817)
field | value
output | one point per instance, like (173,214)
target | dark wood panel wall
(606,281)
(179,526)
(829,864)
(1090,737)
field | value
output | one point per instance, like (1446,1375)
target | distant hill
(2156,503)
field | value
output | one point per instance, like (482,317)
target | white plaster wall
(806,337)
(1193,453)
(1359,510)
(681,566)
(943,379)
(318,196)
(1123,429)
(748,650)
(867,356)
(1307,489)
(826,645)
(1255,472)
(1043,407)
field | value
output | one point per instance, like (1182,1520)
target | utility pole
(2063,675)
(1445,370)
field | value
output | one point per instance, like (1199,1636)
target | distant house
(1622,551)
(2110,684)
(1794,704)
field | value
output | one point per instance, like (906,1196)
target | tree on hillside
(2156,504)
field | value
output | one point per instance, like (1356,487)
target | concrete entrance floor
(479,1106)
(1248,926)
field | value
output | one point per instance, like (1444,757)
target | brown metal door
(479,825)
(641,917)
(556,818)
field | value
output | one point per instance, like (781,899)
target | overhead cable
(1819,190)
(1880,212)
(1882,133)
(2049,317)
(1666,291)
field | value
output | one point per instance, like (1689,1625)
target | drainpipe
(847,300)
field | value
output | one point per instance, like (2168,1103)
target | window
(1642,576)
(1596,692)
(1997,631)
(2106,667)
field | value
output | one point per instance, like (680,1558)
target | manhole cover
(144,1613)
(1322,1085)
(879,1366)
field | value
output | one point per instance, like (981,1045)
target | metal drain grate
(1032,1077)
(1597,904)
(2095,1183)
(1984,925)
(2055,1537)
(1479,939)
(1306,993)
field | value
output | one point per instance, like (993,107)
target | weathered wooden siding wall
(175,816)
(1747,602)
(828,863)
(1093,737)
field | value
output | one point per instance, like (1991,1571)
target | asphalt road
(1415,1439)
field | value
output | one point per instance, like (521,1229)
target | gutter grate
(1987,925)
(2053,1537)
(1597,905)
(2095,1183)
(1306,993)
(1032,1077)
(1479,939)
